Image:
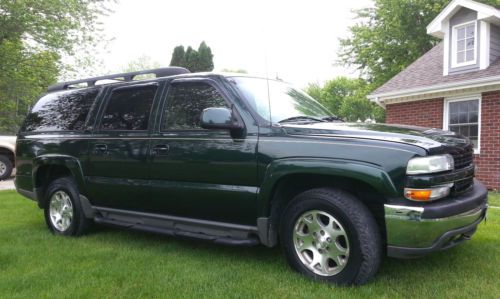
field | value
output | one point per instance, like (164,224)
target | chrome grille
(463,185)
(463,158)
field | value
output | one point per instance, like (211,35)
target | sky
(296,41)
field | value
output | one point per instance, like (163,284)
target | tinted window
(62,111)
(129,108)
(186,102)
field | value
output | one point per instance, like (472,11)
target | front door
(119,149)
(198,173)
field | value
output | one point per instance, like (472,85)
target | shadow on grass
(455,260)
(144,239)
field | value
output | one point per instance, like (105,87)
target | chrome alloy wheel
(3,168)
(321,243)
(61,211)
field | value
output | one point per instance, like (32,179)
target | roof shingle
(428,71)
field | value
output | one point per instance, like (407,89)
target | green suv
(240,160)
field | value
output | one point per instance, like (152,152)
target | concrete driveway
(7,184)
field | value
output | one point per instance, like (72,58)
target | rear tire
(6,167)
(328,234)
(63,209)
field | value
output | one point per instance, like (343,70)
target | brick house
(456,85)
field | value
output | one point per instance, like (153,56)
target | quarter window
(186,102)
(463,118)
(129,108)
(62,111)
(464,44)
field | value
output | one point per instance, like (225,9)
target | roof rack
(161,72)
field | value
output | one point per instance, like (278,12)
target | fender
(70,162)
(11,146)
(365,172)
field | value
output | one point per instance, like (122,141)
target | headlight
(430,164)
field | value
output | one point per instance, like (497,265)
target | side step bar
(217,232)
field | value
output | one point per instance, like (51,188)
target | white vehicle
(7,156)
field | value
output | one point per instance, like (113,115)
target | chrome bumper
(410,235)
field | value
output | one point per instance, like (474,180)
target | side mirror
(219,118)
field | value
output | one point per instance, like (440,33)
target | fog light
(428,194)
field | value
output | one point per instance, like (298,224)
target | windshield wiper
(300,118)
(332,118)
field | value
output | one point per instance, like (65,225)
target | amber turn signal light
(420,195)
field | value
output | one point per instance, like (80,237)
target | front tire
(63,209)
(6,167)
(328,234)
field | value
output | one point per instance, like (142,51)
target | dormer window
(464,44)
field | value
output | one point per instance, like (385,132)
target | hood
(420,136)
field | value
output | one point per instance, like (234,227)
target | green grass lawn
(109,262)
(494,199)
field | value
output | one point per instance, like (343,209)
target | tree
(24,76)
(60,26)
(205,57)
(191,60)
(314,90)
(337,90)
(178,57)
(143,62)
(358,108)
(346,98)
(195,61)
(34,35)
(390,36)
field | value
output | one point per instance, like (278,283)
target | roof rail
(161,72)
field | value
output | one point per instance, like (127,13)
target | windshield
(280,101)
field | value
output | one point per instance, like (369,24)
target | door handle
(100,149)
(160,150)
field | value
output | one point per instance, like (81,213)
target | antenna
(268,91)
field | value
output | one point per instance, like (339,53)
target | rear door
(119,148)
(199,173)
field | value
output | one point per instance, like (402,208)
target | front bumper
(414,231)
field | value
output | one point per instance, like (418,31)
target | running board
(216,232)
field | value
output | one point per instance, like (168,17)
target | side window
(128,108)
(62,111)
(186,102)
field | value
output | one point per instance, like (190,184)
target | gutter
(479,82)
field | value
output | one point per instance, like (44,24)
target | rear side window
(128,108)
(63,111)
(186,102)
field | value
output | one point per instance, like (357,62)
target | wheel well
(7,152)
(290,186)
(46,174)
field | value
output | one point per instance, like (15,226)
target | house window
(462,116)
(464,44)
